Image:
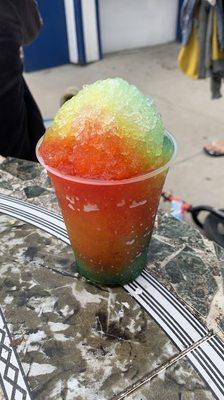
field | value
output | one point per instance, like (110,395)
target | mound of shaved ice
(109,130)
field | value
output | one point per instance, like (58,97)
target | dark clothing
(208,18)
(205,21)
(186,19)
(220,20)
(21,123)
(21,18)
(217,76)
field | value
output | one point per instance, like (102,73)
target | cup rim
(102,182)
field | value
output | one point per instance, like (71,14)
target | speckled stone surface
(191,266)
(74,337)
(179,256)
(178,382)
(75,340)
(81,341)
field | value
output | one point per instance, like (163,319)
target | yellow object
(189,55)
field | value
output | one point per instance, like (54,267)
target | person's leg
(215,149)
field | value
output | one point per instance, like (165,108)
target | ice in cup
(108,155)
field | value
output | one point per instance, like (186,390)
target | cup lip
(102,182)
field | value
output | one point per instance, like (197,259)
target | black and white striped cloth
(171,315)
(12,378)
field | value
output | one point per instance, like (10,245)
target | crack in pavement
(148,377)
(58,272)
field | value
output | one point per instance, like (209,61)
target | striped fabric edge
(173,317)
(210,365)
(35,215)
(207,358)
(12,378)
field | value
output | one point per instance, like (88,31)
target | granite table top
(62,337)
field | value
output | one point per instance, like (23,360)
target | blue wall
(51,47)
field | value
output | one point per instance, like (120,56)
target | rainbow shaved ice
(99,152)
(109,130)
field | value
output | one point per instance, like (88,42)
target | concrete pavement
(186,107)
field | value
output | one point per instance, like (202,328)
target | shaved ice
(109,130)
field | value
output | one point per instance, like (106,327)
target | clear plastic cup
(110,223)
